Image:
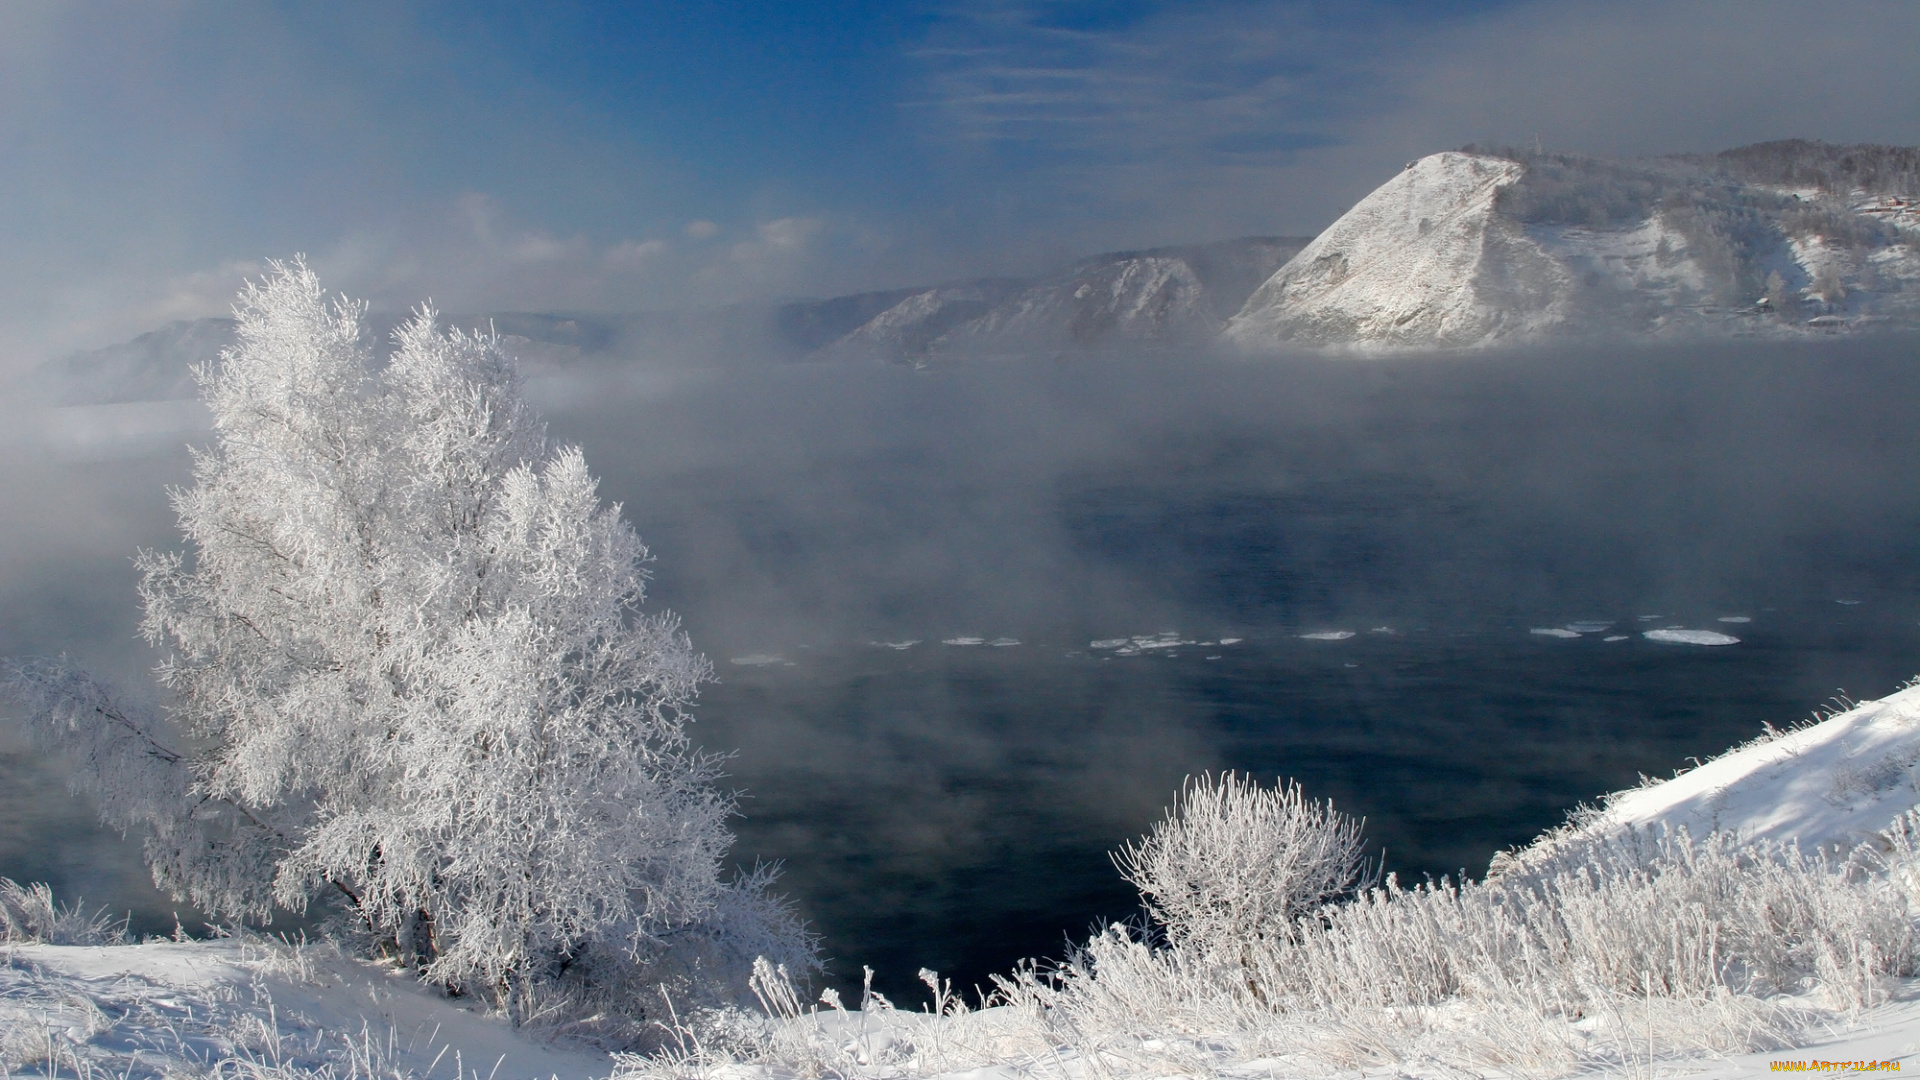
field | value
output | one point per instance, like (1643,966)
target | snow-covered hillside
(1473,249)
(1427,259)
(1160,296)
(255,1007)
(1837,783)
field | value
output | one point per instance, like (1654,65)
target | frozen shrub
(28,913)
(1233,862)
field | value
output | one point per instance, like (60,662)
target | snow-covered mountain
(1467,248)
(1427,259)
(1160,296)
(1461,249)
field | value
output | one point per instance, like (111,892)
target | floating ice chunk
(896,645)
(1650,618)
(1328,635)
(1108,643)
(1554,631)
(1003,642)
(1676,636)
(1616,637)
(1849,603)
(758,660)
(1231,640)
(1588,626)
(1383,630)
(963,641)
(1215,656)
(1735,618)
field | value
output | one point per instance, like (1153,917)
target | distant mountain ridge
(1155,297)
(1160,296)
(1471,248)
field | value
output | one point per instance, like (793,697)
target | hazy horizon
(596,157)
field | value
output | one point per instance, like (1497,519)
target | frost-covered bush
(29,913)
(407,671)
(1234,862)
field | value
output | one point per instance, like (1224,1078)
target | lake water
(952,805)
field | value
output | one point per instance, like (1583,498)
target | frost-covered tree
(407,671)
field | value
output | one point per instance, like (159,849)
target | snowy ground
(262,1009)
(183,1008)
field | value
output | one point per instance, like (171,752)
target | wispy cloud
(1221,83)
(1262,115)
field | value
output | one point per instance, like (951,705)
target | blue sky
(653,154)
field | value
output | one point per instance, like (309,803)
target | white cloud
(783,235)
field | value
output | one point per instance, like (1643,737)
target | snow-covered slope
(907,330)
(1838,782)
(1471,249)
(1159,296)
(264,1009)
(1427,259)
(1139,298)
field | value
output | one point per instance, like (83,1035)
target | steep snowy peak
(1426,259)
(1467,249)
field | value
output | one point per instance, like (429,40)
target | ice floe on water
(1328,635)
(1849,603)
(1735,619)
(1555,631)
(1650,618)
(1616,637)
(1589,626)
(1003,642)
(1674,635)
(963,641)
(895,645)
(760,660)
(1142,643)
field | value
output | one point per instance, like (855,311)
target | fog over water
(951,806)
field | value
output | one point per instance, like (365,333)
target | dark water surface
(952,806)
